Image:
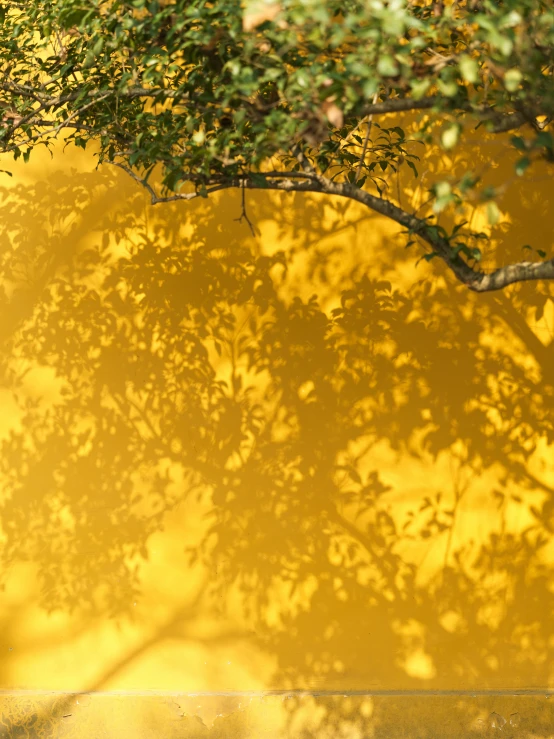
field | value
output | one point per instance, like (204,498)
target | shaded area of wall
(289,461)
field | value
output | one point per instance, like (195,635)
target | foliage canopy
(289,96)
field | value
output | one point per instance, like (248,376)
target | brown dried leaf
(12,117)
(257,12)
(333,114)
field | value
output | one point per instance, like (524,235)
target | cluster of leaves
(222,95)
(320,61)
(198,83)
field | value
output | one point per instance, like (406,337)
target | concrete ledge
(235,715)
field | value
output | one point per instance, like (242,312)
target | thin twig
(155,198)
(244,214)
(303,161)
(54,130)
(366,140)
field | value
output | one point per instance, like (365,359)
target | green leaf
(468,181)
(522,165)
(443,192)
(544,138)
(271,69)
(450,88)
(89,59)
(505,45)
(512,19)
(488,193)
(450,136)
(442,189)
(419,88)
(458,227)
(512,79)
(370,87)
(387,66)
(468,68)
(98,46)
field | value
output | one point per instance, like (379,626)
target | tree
(290,96)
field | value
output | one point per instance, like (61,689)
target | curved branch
(501,122)
(419,226)
(475,280)
(506,122)
(155,198)
(315,183)
(512,273)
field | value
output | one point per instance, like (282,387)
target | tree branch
(155,198)
(47,100)
(512,273)
(244,213)
(401,105)
(475,280)
(502,121)
(315,183)
(505,122)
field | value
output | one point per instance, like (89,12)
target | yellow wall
(211,485)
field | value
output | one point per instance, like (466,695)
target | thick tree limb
(314,183)
(501,122)
(508,122)
(512,273)
(476,281)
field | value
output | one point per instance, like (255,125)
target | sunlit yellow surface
(382,495)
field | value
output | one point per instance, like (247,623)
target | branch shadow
(372,465)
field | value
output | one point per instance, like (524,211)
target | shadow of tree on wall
(181,366)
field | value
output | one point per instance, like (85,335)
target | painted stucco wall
(215,485)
